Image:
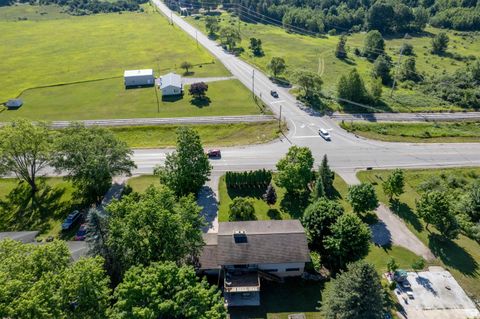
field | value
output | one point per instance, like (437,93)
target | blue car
(71,220)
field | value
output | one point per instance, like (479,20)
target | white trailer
(139,78)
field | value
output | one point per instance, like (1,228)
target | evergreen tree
(319,189)
(408,70)
(376,89)
(340,51)
(327,176)
(440,43)
(355,294)
(381,69)
(351,88)
(373,45)
(270,195)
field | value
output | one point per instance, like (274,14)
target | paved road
(346,152)
(407,117)
(169,120)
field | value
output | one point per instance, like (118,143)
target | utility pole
(171,17)
(253,83)
(280,118)
(196,38)
(396,69)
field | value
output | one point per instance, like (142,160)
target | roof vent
(240,236)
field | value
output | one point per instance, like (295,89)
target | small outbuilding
(171,84)
(135,78)
(14,104)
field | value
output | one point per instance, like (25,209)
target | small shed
(135,78)
(171,84)
(14,104)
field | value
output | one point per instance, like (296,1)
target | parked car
(214,153)
(81,233)
(71,220)
(324,133)
(274,94)
(405,284)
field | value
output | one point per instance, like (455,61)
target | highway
(346,152)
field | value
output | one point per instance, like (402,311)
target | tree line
(259,178)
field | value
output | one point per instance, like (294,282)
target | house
(171,84)
(134,78)
(14,104)
(244,252)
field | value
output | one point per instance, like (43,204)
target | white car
(324,133)
(410,295)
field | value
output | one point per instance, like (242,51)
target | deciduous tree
(394,183)
(351,88)
(241,208)
(198,90)
(256,47)
(362,197)
(230,36)
(311,85)
(295,170)
(186,169)
(435,208)
(373,45)
(440,43)
(277,65)
(211,23)
(340,50)
(381,69)
(186,66)
(165,290)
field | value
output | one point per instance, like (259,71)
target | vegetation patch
(417,132)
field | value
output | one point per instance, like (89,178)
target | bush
(259,179)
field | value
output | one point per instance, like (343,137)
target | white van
(324,133)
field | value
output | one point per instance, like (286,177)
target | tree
(318,218)
(256,47)
(165,290)
(318,189)
(349,241)
(230,36)
(211,23)
(25,150)
(406,49)
(188,168)
(186,66)
(421,18)
(350,88)
(440,43)
(37,281)
(403,17)
(270,195)
(340,51)
(136,221)
(435,208)
(418,265)
(310,83)
(295,170)
(376,88)
(91,157)
(277,66)
(355,294)
(381,69)
(327,176)
(198,90)
(241,208)
(362,197)
(393,185)
(373,45)
(380,17)
(408,70)
(392,265)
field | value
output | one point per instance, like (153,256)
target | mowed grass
(41,52)
(461,256)
(317,54)
(286,207)
(441,132)
(212,135)
(51,223)
(108,99)
(141,183)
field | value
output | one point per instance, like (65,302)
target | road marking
(277,101)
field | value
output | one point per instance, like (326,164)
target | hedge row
(259,178)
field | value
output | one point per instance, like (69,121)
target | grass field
(317,54)
(108,99)
(54,48)
(441,132)
(286,207)
(461,256)
(141,183)
(213,135)
(59,207)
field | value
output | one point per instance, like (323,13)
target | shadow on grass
(172,98)
(293,296)
(201,102)
(253,192)
(452,255)
(348,61)
(294,204)
(274,214)
(405,213)
(189,73)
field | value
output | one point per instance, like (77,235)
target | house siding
(139,80)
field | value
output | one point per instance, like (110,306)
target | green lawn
(317,54)
(461,256)
(141,183)
(64,49)
(286,207)
(59,204)
(441,132)
(379,257)
(108,99)
(211,134)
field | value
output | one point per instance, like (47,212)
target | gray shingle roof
(268,242)
(170,79)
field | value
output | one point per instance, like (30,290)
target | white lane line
(277,101)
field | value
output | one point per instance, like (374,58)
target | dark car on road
(71,220)
(81,233)
(274,94)
(214,154)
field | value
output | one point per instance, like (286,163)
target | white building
(171,84)
(139,78)
(247,251)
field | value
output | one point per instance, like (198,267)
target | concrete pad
(437,295)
